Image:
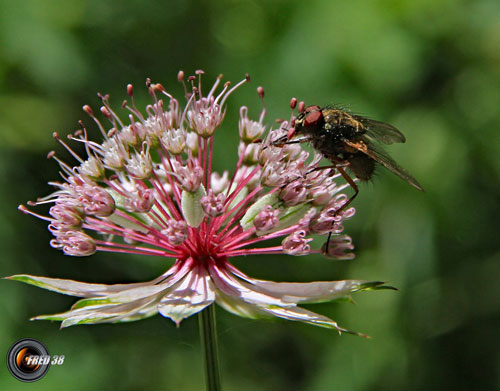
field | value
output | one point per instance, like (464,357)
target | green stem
(208,335)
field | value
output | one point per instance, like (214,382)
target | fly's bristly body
(350,140)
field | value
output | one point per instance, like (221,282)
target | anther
(130,90)
(157,87)
(88,110)
(106,112)
(260,91)
(23,209)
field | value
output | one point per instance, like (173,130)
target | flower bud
(293,193)
(75,243)
(296,244)
(140,201)
(212,204)
(176,232)
(65,217)
(266,219)
(96,201)
(337,247)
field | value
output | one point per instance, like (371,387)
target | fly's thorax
(334,117)
(342,122)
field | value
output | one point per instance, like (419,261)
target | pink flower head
(149,188)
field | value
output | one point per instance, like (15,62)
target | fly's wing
(384,159)
(380,131)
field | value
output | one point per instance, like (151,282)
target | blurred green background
(430,67)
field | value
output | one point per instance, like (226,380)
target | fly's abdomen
(361,165)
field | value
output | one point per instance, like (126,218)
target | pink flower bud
(337,247)
(272,175)
(96,201)
(293,193)
(75,243)
(296,244)
(140,201)
(190,176)
(266,219)
(320,195)
(65,217)
(213,205)
(176,232)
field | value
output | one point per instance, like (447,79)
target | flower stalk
(208,335)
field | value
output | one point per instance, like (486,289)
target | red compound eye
(314,117)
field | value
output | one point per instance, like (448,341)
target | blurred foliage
(430,67)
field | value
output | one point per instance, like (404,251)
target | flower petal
(195,292)
(239,307)
(70,287)
(83,289)
(105,313)
(311,292)
(230,285)
(306,316)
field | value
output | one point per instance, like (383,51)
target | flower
(149,189)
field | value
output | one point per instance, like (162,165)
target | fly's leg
(281,142)
(339,164)
(346,204)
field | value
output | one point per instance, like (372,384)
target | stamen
(73,153)
(26,211)
(90,112)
